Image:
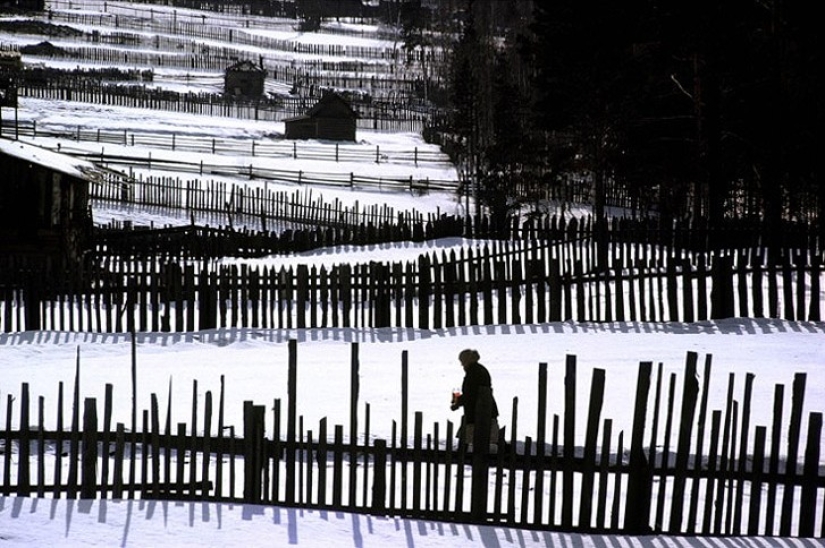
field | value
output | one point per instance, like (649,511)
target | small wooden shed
(332,118)
(245,79)
(44,205)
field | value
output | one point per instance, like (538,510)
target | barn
(45,218)
(245,79)
(332,118)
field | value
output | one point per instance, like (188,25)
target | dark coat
(475,376)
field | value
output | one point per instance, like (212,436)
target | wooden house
(244,79)
(22,5)
(45,218)
(332,118)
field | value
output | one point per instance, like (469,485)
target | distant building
(34,5)
(245,79)
(332,118)
(44,206)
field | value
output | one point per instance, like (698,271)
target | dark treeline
(701,111)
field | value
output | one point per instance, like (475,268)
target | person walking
(477,383)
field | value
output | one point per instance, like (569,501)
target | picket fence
(513,283)
(725,479)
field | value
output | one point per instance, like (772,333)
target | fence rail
(614,481)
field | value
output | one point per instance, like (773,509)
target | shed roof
(56,161)
(245,66)
(330,103)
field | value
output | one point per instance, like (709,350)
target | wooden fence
(240,205)
(714,474)
(379,117)
(510,283)
(264,148)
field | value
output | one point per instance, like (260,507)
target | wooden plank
(511,460)
(773,462)
(424,281)
(787,288)
(353,420)
(207,443)
(322,462)
(815,305)
(810,477)
(88,478)
(155,444)
(729,469)
(120,443)
(569,442)
(541,429)
(604,475)
(404,422)
(144,449)
(74,434)
(699,451)
(193,448)
(41,448)
(180,451)
(665,461)
(437,293)
(617,485)
(6,487)
(757,261)
(418,421)
(525,480)
(690,390)
(379,484)
(448,471)
(710,484)
(167,442)
(291,415)
(755,506)
(618,277)
(702,287)
(687,290)
(555,291)
(742,283)
(105,439)
(722,479)
(743,456)
(794,428)
(24,445)
(591,437)
(58,442)
(639,487)
(554,466)
(338,466)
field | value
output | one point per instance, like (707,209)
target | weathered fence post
(810,474)
(638,482)
(379,477)
(253,423)
(481,450)
(291,420)
(721,294)
(690,393)
(88,481)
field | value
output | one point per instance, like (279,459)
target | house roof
(330,103)
(55,161)
(245,66)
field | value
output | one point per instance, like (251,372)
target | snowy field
(254,362)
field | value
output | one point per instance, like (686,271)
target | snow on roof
(62,163)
